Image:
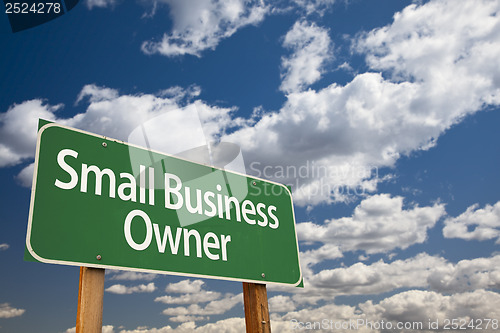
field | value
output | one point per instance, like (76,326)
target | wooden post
(90,295)
(256,308)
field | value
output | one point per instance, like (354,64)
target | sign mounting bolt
(263,275)
(98,257)
(254,183)
(104,144)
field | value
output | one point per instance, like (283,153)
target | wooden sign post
(90,296)
(256,308)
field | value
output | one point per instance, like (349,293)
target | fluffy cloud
(436,63)
(230,325)
(379,224)
(422,306)
(130,276)
(199,297)
(116,116)
(200,25)
(439,42)
(281,303)
(192,293)
(4,246)
(378,277)
(185,286)
(422,271)
(479,273)
(196,312)
(7,311)
(311,49)
(413,307)
(18,130)
(315,6)
(122,290)
(105,329)
(340,135)
(475,224)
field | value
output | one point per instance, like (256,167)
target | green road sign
(100,202)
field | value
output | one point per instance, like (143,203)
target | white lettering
(208,245)
(98,179)
(270,211)
(167,235)
(187,234)
(128,235)
(249,210)
(175,191)
(131,185)
(66,167)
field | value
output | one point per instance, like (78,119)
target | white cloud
(378,277)
(439,41)
(311,50)
(315,6)
(4,246)
(192,293)
(122,290)
(336,313)
(413,307)
(198,297)
(18,128)
(130,276)
(185,287)
(441,62)
(216,307)
(115,116)
(96,94)
(229,325)
(310,258)
(422,271)
(475,224)
(105,329)
(379,224)
(100,3)
(281,303)
(340,135)
(25,177)
(479,273)
(422,306)
(187,318)
(200,25)
(7,311)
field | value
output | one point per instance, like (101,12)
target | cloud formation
(475,224)
(130,275)
(195,312)
(192,293)
(7,311)
(379,224)
(434,65)
(200,25)
(122,290)
(412,307)
(421,272)
(311,49)
(340,134)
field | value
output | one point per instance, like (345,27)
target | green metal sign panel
(100,202)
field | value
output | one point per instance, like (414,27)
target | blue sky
(396,102)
